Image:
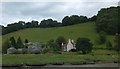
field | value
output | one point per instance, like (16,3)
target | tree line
(13,43)
(82,45)
(106,20)
(67,20)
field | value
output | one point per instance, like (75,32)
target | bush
(45,50)
(117,42)
(84,45)
(5,46)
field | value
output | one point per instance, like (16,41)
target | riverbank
(85,66)
(18,60)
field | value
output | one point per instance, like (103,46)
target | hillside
(44,34)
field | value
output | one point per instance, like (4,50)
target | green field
(87,30)
(45,34)
(71,58)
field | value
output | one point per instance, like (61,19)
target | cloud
(59,0)
(27,11)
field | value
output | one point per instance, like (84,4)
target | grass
(37,59)
(45,34)
(101,52)
(87,30)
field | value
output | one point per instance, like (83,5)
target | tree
(84,45)
(13,42)
(28,25)
(117,42)
(19,43)
(66,21)
(20,25)
(102,37)
(50,43)
(109,45)
(107,20)
(34,24)
(83,19)
(4,30)
(26,41)
(49,23)
(94,18)
(52,46)
(59,42)
(74,19)
(5,46)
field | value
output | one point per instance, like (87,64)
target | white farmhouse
(70,45)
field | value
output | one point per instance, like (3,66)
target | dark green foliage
(45,50)
(42,45)
(49,23)
(26,41)
(94,18)
(28,25)
(59,42)
(107,20)
(34,24)
(13,42)
(66,21)
(51,47)
(50,43)
(20,25)
(84,45)
(83,19)
(117,42)
(55,46)
(19,43)
(5,46)
(109,45)
(74,19)
(102,37)
(4,30)
(15,26)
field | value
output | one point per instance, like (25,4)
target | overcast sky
(27,11)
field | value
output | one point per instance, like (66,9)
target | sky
(27,11)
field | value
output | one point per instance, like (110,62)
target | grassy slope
(44,34)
